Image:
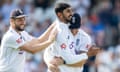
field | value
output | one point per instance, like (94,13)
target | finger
(57,70)
(52,68)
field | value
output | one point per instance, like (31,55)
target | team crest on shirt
(19,40)
(63,46)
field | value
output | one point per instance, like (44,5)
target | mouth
(22,26)
(70,16)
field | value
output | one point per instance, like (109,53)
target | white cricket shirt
(64,46)
(12,59)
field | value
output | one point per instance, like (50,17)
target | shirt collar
(13,31)
(61,23)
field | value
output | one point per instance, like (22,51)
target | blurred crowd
(100,19)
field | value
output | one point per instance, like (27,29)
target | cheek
(66,16)
(25,22)
(22,23)
(17,22)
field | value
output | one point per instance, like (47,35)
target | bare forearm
(40,47)
(46,34)
(34,46)
(80,63)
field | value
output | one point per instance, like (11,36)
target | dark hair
(60,7)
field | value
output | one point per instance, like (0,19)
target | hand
(53,34)
(53,68)
(93,51)
(57,61)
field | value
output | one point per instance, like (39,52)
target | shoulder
(9,37)
(83,33)
(24,33)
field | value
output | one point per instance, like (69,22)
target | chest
(21,39)
(67,42)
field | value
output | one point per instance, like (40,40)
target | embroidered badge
(63,46)
(18,40)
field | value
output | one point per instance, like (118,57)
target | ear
(12,21)
(59,14)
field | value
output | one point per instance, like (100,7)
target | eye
(68,10)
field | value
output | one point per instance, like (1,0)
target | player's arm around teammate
(56,61)
(93,50)
(46,34)
(17,24)
(36,45)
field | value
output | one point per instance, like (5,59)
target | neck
(16,30)
(74,31)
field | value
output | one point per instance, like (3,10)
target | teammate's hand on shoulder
(53,68)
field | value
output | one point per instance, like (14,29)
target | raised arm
(93,51)
(34,45)
(46,34)
(60,61)
(70,60)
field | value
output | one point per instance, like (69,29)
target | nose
(71,13)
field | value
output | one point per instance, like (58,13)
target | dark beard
(66,19)
(18,28)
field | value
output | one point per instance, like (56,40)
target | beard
(18,28)
(66,19)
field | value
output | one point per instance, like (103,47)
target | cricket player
(79,48)
(16,41)
(71,46)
